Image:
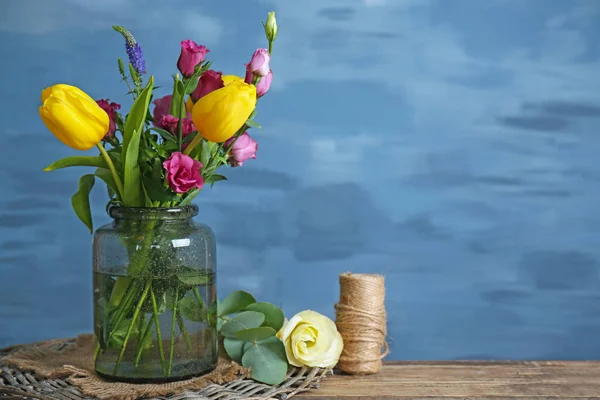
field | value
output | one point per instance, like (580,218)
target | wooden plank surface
(473,380)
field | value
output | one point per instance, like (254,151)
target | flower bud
(271,27)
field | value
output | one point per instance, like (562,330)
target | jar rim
(146,213)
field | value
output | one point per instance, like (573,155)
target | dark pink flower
(264,84)
(259,64)
(111,109)
(209,81)
(162,107)
(183,173)
(249,74)
(169,123)
(191,55)
(243,149)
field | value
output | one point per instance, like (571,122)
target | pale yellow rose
(311,340)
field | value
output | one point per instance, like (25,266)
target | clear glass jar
(154,295)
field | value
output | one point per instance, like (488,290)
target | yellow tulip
(227,79)
(220,114)
(73,116)
(312,340)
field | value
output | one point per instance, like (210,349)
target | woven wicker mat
(62,383)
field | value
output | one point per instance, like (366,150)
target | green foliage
(242,321)
(253,124)
(236,301)
(267,361)
(107,177)
(77,161)
(273,315)
(81,200)
(190,310)
(250,336)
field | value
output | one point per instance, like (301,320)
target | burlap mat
(75,364)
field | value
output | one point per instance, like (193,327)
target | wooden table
(473,380)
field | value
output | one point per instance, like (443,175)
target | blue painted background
(451,145)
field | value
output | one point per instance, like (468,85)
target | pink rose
(259,64)
(264,84)
(111,109)
(169,123)
(209,81)
(191,55)
(183,173)
(162,107)
(243,149)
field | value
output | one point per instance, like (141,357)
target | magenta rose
(259,64)
(111,109)
(243,149)
(191,55)
(183,173)
(264,84)
(209,81)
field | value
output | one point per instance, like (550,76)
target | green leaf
(220,323)
(267,361)
(181,94)
(206,152)
(189,197)
(242,321)
(81,200)
(192,84)
(255,334)
(194,276)
(274,317)
(163,133)
(253,124)
(234,348)
(215,178)
(119,333)
(155,186)
(132,195)
(236,301)
(137,116)
(107,177)
(191,310)
(77,161)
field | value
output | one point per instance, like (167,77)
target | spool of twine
(361,320)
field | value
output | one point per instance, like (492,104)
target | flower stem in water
(186,337)
(158,334)
(136,313)
(173,321)
(143,334)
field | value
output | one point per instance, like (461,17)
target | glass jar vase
(154,295)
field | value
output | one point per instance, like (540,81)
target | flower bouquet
(156,313)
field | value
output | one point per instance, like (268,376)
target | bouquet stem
(131,325)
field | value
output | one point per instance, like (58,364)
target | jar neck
(163,214)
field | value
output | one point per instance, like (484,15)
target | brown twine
(76,365)
(362,322)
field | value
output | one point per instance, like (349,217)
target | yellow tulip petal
(227,79)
